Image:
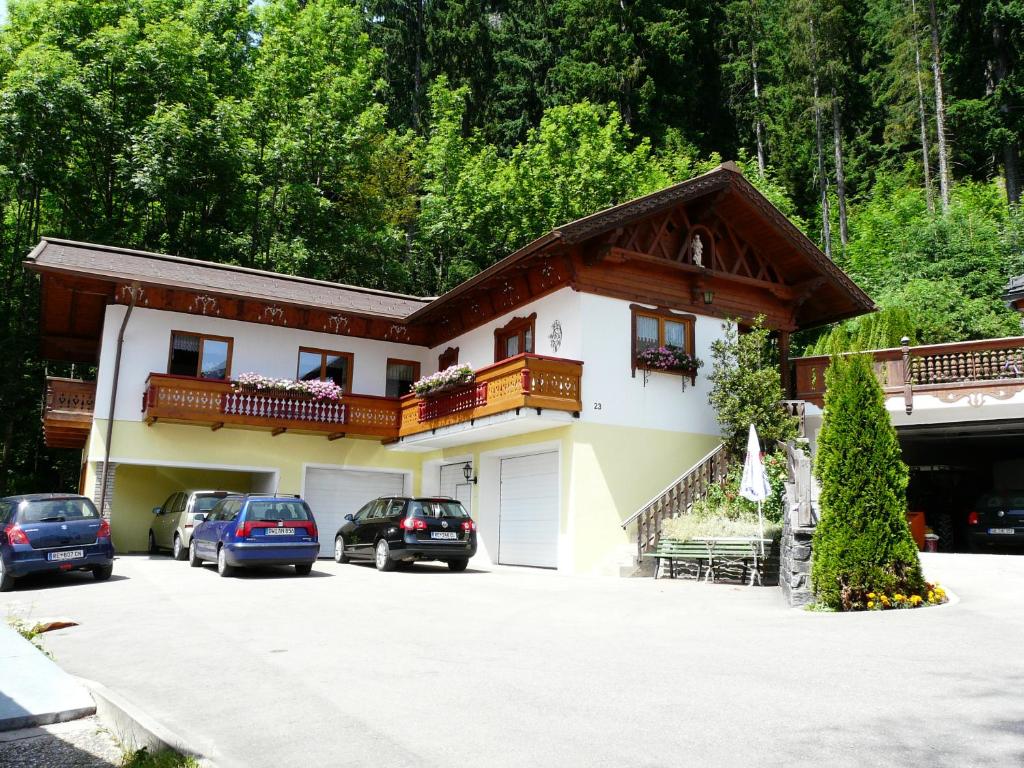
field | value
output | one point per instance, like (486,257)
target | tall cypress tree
(863,541)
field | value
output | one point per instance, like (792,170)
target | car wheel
(303,569)
(222,564)
(152,544)
(458,565)
(193,556)
(382,558)
(339,551)
(6,579)
(178,550)
(102,572)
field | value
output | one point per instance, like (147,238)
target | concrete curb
(135,729)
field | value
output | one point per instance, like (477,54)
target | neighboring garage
(953,464)
(333,493)
(528,522)
(138,488)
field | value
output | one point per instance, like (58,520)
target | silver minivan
(173,522)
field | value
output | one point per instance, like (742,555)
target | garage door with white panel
(528,510)
(334,493)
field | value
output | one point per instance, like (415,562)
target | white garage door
(528,524)
(453,483)
(334,493)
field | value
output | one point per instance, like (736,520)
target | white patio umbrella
(754,485)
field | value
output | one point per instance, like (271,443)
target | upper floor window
(400,377)
(448,358)
(661,328)
(324,365)
(194,354)
(515,337)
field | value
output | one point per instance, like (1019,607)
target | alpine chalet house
(566,430)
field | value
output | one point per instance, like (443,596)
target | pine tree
(862,543)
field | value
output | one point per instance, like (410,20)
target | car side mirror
(157,510)
(198,517)
(350,518)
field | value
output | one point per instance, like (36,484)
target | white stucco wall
(270,350)
(477,346)
(625,400)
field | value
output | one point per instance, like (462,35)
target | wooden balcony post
(908,386)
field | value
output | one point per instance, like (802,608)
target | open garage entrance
(138,488)
(953,465)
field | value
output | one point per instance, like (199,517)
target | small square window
(193,354)
(401,374)
(324,365)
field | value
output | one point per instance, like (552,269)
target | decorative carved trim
(273,315)
(204,304)
(337,324)
(555,337)
(975,397)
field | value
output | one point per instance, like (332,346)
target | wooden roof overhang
(80,279)
(754,261)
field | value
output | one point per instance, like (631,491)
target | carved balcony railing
(67,414)
(214,403)
(524,381)
(949,371)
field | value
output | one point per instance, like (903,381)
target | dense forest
(406,144)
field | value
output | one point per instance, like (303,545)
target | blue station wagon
(52,532)
(245,530)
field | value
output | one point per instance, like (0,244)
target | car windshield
(437,508)
(276,510)
(56,510)
(205,503)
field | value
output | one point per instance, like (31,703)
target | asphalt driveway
(514,667)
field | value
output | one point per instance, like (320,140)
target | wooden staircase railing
(677,498)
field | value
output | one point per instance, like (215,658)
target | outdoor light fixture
(467,472)
(709,296)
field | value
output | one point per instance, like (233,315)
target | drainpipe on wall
(134,290)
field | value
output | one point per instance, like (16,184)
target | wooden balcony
(67,415)
(524,381)
(948,371)
(216,404)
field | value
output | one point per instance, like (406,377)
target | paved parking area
(514,667)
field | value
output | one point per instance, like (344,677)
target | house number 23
(597,406)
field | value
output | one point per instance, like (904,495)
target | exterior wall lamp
(709,296)
(467,472)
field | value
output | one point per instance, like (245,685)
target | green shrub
(862,543)
(746,388)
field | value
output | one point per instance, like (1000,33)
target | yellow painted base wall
(607,473)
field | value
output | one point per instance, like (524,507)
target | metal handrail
(700,463)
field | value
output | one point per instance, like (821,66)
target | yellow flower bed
(876,601)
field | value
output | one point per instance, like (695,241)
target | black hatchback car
(396,530)
(997,520)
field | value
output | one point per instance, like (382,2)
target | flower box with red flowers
(669,359)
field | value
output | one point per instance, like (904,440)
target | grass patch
(143,758)
(30,631)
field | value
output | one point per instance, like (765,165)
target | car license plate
(1008,531)
(69,554)
(280,531)
(444,535)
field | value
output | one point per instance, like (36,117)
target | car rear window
(438,508)
(56,510)
(277,510)
(205,503)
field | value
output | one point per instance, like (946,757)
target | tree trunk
(417,73)
(940,111)
(1011,150)
(826,224)
(926,161)
(758,127)
(837,140)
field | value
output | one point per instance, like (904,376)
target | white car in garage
(173,522)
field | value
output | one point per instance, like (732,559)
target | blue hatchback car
(251,529)
(52,532)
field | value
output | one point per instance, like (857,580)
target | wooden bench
(712,554)
(673,550)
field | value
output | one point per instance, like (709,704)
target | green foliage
(862,543)
(143,758)
(880,330)
(746,388)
